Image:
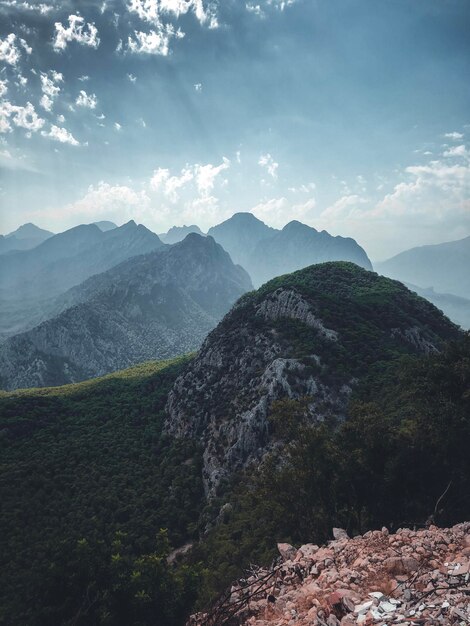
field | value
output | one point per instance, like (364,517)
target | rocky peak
(290,339)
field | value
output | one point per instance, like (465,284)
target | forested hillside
(96,492)
(87,481)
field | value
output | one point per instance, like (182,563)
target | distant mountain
(266,252)
(444,267)
(25,237)
(105,225)
(178,233)
(31,280)
(310,337)
(152,306)
(240,234)
(298,245)
(456,308)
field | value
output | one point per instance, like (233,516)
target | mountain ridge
(158,305)
(311,333)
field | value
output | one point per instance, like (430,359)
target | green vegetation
(87,480)
(405,444)
(94,494)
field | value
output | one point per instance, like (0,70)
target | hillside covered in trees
(97,491)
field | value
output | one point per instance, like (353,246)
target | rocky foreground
(408,578)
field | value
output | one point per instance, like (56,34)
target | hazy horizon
(373,259)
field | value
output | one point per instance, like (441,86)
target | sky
(351,116)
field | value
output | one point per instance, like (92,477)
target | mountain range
(152,306)
(25,237)
(442,267)
(56,296)
(329,397)
(31,279)
(266,252)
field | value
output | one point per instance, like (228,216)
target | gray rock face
(154,306)
(307,336)
(230,387)
(288,303)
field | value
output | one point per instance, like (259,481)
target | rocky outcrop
(233,382)
(288,303)
(297,338)
(411,577)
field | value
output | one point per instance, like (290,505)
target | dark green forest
(95,497)
(88,486)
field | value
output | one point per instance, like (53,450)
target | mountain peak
(296,332)
(296,226)
(105,225)
(29,231)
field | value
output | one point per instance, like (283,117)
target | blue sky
(351,116)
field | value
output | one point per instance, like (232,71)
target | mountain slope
(311,334)
(86,473)
(178,233)
(456,308)
(157,305)
(443,267)
(239,235)
(25,237)
(266,252)
(298,245)
(30,280)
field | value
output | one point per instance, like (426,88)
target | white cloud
(170,185)
(60,134)
(154,42)
(456,151)
(346,206)
(304,188)
(455,136)
(88,101)
(25,46)
(158,13)
(77,30)
(50,88)
(40,7)
(266,161)
(259,9)
(198,87)
(60,119)
(255,9)
(117,126)
(46,103)
(132,78)
(9,52)
(83,78)
(153,11)
(278,212)
(116,202)
(21,117)
(205,176)
(3,87)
